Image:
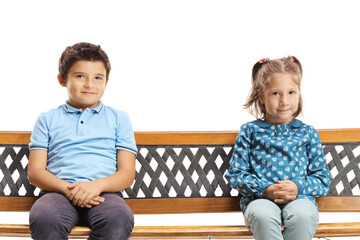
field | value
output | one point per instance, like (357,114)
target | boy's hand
(84,194)
(283,192)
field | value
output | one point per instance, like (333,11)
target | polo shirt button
(78,112)
(82,122)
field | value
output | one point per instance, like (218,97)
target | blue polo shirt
(82,145)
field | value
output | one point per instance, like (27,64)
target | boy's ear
(61,80)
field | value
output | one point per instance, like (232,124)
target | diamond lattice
(184,171)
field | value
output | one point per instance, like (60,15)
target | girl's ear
(260,96)
(61,80)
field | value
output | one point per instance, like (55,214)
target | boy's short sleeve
(40,135)
(125,139)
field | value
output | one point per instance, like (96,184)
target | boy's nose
(88,83)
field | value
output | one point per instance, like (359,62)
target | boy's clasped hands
(84,194)
(283,192)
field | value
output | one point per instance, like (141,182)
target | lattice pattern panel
(183,171)
(13,168)
(343,161)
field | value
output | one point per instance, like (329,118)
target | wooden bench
(183,172)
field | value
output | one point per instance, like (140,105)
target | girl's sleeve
(240,174)
(317,181)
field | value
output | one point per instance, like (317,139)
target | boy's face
(86,82)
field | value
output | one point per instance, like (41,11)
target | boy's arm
(45,180)
(82,192)
(40,177)
(124,176)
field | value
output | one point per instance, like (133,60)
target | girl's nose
(283,100)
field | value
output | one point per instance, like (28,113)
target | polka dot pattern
(265,154)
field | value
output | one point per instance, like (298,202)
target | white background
(181,65)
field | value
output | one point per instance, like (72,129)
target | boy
(82,154)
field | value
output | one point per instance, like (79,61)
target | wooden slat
(195,138)
(183,205)
(23,230)
(190,205)
(16,204)
(192,232)
(339,135)
(339,204)
(145,206)
(9,137)
(346,229)
(185,138)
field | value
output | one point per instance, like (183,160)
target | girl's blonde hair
(261,73)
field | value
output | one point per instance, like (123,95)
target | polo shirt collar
(70,109)
(294,123)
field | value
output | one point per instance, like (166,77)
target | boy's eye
(79,76)
(99,78)
(292,92)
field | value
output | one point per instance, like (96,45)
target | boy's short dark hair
(82,51)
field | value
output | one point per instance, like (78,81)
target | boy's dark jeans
(53,216)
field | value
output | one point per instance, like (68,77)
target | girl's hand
(287,191)
(84,194)
(283,192)
(270,192)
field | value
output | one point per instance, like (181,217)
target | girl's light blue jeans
(265,218)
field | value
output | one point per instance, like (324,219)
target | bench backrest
(179,172)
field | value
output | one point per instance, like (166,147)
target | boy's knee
(115,227)
(119,218)
(114,221)
(51,218)
(46,226)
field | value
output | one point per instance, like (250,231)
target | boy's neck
(83,108)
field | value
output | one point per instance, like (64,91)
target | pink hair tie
(264,60)
(290,58)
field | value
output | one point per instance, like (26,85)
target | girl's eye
(292,92)
(79,76)
(275,93)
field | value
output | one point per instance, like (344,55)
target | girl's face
(281,98)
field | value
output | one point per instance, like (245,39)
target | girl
(278,164)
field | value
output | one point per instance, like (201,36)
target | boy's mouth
(88,93)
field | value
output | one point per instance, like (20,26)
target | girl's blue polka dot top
(265,154)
